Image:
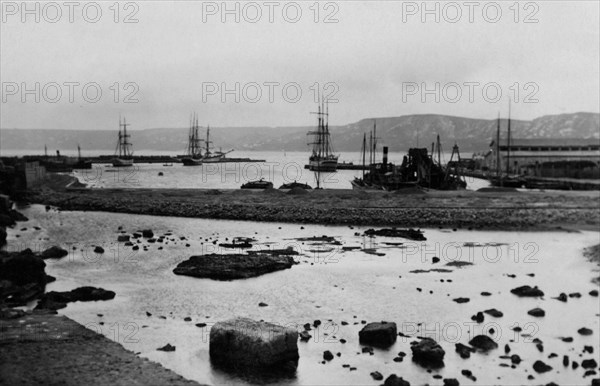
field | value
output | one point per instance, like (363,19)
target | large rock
(56,300)
(243,343)
(394,380)
(527,291)
(378,334)
(483,343)
(22,277)
(428,353)
(54,253)
(22,267)
(231,267)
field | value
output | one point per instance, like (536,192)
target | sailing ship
(124,155)
(501,180)
(212,156)
(322,158)
(194,149)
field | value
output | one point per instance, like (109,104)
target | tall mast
(498,147)
(508,143)
(207,152)
(374,140)
(364,151)
(439,150)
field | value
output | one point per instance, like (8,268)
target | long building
(543,157)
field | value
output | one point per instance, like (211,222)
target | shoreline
(492,210)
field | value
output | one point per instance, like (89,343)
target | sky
(157,62)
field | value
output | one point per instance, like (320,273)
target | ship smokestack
(385,158)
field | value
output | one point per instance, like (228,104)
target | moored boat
(194,149)
(124,155)
(260,184)
(322,158)
(295,184)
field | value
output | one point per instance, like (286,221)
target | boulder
(376,375)
(541,367)
(483,343)
(54,253)
(494,312)
(527,291)
(99,250)
(378,334)
(451,382)
(231,267)
(589,364)
(147,233)
(428,353)
(243,343)
(394,380)
(537,312)
(122,238)
(22,267)
(585,331)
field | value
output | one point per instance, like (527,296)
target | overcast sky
(377,58)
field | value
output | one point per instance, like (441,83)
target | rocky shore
(492,210)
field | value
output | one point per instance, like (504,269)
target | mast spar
(508,143)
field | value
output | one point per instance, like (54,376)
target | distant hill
(399,133)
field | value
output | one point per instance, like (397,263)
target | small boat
(295,184)
(168,164)
(260,184)
(123,151)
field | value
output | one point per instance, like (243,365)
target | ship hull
(191,161)
(120,162)
(323,165)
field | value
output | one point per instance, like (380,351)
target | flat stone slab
(245,343)
(232,267)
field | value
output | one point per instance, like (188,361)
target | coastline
(490,210)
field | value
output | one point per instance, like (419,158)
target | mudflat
(492,209)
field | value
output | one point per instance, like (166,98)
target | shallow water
(279,168)
(342,286)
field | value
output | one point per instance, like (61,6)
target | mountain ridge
(399,133)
